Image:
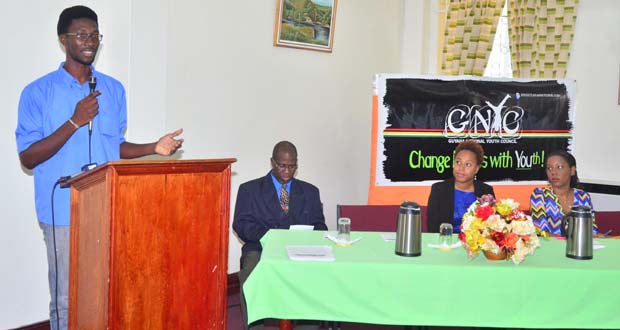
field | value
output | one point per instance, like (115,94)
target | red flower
(484,212)
(498,238)
(462,237)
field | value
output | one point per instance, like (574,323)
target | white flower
(521,251)
(467,220)
(472,208)
(523,228)
(496,223)
(490,245)
(533,243)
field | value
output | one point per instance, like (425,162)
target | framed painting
(306,24)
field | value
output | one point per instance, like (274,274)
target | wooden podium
(149,245)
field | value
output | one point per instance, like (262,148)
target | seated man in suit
(275,201)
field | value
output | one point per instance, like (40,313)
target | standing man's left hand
(167,144)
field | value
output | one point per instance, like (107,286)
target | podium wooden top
(138,167)
(133,162)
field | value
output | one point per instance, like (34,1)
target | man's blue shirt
(44,106)
(278,186)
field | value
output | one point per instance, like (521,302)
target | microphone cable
(55,254)
(90,134)
(58,182)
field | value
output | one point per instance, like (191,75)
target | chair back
(604,220)
(374,217)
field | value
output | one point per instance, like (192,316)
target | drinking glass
(344,229)
(445,234)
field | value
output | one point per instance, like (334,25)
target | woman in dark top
(450,199)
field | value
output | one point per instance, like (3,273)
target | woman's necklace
(566,200)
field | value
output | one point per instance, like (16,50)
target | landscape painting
(307,24)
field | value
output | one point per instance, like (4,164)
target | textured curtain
(541,32)
(468,37)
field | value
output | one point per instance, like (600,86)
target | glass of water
(445,234)
(344,229)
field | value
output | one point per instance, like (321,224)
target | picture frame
(305,24)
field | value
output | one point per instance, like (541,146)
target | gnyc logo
(484,121)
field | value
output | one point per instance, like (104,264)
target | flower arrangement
(496,227)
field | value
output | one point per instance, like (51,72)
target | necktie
(284,199)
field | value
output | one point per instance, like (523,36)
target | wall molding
(598,188)
(43,325)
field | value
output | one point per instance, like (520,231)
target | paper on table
(597,245)
(445,247)
(388,237)
(310,252)
(301,227)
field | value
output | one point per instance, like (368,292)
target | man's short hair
(284,146)
(69,14)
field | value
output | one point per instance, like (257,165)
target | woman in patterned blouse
(550,204)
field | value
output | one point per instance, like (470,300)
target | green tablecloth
(368,283)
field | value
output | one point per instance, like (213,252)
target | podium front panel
(166,252)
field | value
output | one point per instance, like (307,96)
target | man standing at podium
(275,201)
(65,124)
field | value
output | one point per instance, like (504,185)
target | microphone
(92,83)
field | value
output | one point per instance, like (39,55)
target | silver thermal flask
(409,230)
(579,233)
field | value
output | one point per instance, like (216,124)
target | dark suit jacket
(441,202)
(258,209)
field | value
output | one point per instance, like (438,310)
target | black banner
(516,122)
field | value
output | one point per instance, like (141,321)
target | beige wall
(595,65)
(210,67)
(31,50)
(236,95)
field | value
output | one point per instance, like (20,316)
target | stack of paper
(301,227)
(310,252)
(388,236)
(597,245)
(342,242)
